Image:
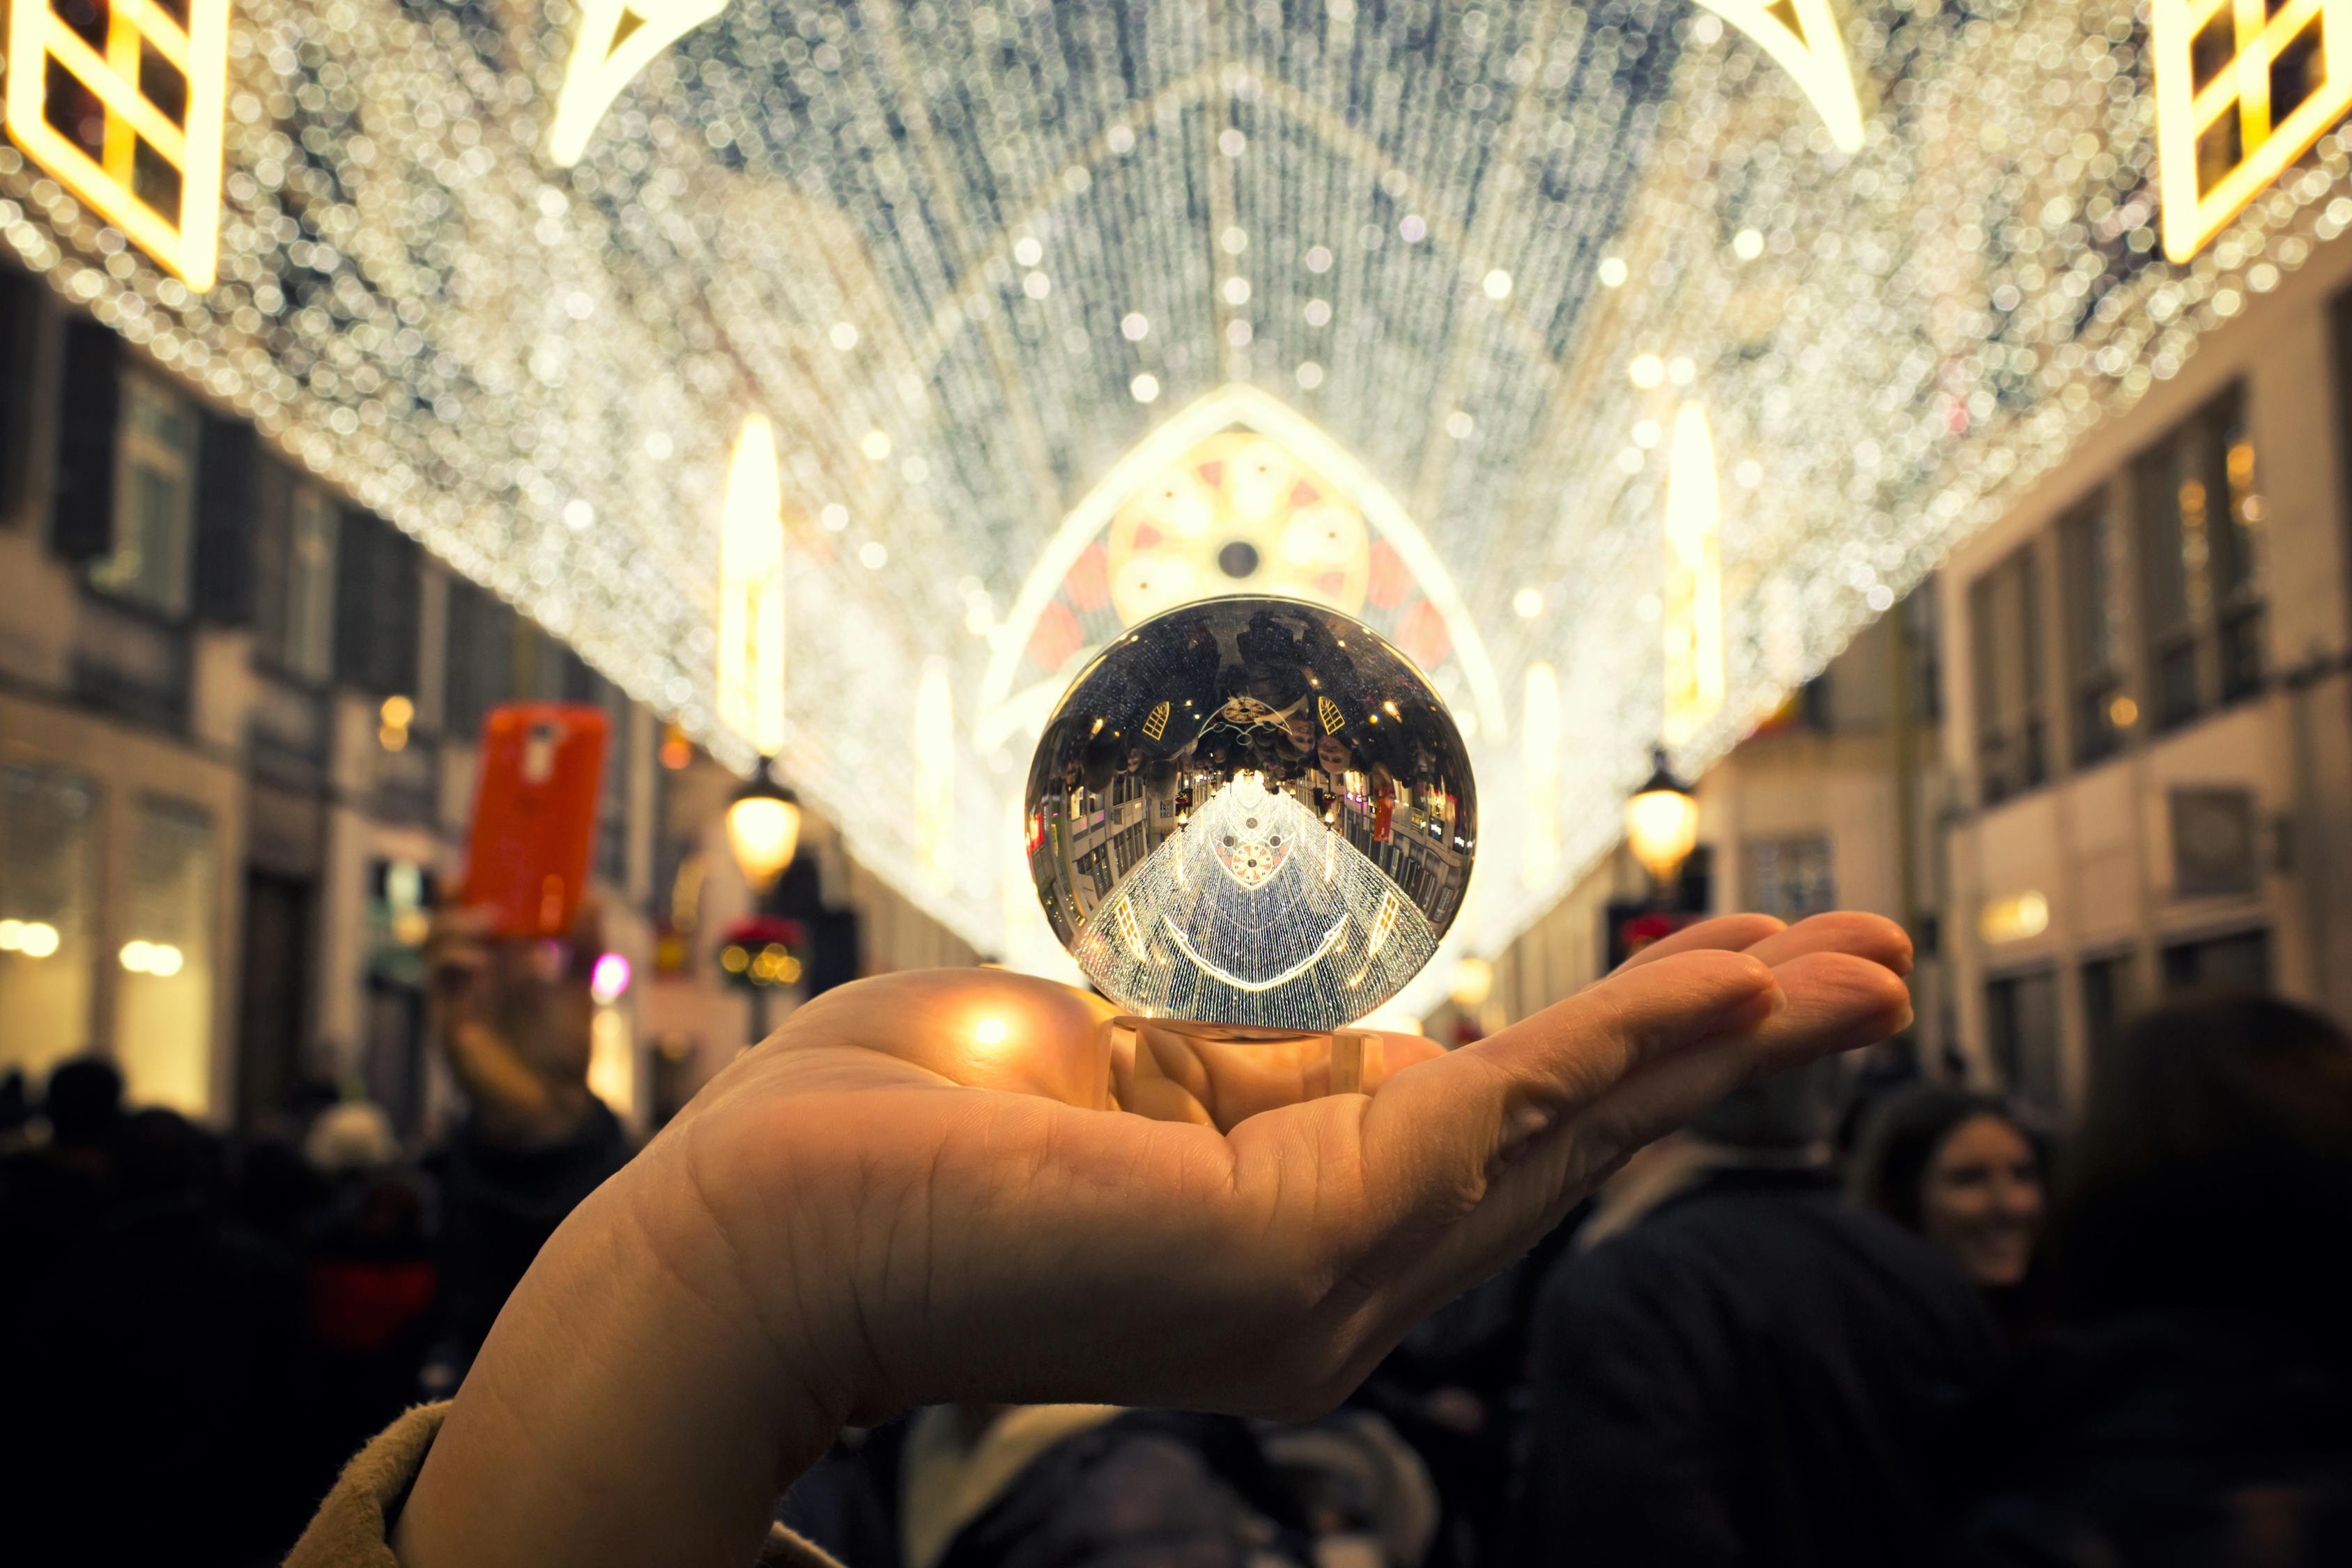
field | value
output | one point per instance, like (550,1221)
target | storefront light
(34,939)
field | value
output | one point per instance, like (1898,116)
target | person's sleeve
(1620,1455)
(352,1529)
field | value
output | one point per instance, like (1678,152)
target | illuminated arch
(1003,709)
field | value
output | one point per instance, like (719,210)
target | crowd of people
(1799,1331)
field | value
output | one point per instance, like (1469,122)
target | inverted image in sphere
(1251,811)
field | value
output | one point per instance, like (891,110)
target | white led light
(1133,327)
(1144,387)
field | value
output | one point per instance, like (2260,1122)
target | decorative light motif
(972,263)
(1802,34)
(1694,584)
(751,593)
(129,121)
(2243,88)
(617,39)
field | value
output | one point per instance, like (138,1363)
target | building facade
(237,716)
(2104,756)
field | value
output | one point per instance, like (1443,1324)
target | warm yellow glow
(612,1060)
(1540,752)
(2204,180)
(1473,981)
(184,240)
(2015,917)
(160,959)
(752,591)
(398,712)
(618,39)
(1693,583)
(34,939)
(1662,826)
(1812,51)
(935,768)
(2122,712)
(992,1032)
(763,832)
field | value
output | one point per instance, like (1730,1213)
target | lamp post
(763,832)
(1662,824)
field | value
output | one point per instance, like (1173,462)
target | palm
(1053,1234)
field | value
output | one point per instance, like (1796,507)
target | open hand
(925,1188)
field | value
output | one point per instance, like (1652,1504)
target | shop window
(2021,1029)
(2005,616)
(1790,878)
(295,571)
(164,991)
(155,499)
(2087,543)
(48,841)
(2201,531)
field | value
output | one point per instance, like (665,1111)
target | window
(155,499)
(1925,632)
(2005,622)
(1790,878)
(2200,527)
(2239,962)
(2087,547)
(2106,1004)
(163,1017)
(379,587)
(2022,1027)
(480,662)
(49,839)
(295,570)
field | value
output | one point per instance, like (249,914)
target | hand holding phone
(535,816)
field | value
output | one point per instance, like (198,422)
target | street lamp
(764,829)
(1662,821)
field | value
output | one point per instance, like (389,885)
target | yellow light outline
(1812,53)
(602,65)
(189,248)
(752,591)
(1694,597)
(2183,115)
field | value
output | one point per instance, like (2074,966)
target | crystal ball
(1251,811)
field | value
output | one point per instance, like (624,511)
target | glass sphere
(1251,811)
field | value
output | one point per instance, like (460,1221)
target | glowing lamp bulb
(763,830)
(1661,823)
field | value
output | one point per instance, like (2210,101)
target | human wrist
(635,1401)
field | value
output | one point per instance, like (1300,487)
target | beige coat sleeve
(352,1527)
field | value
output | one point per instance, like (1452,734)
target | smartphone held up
(535,816)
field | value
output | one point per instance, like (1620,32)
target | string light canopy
(1497,281)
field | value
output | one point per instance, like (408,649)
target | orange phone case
(535,815)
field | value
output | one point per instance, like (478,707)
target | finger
(1733,933)
(1836,1002)
(1832,1002)
(1871,937)
(1438,1128)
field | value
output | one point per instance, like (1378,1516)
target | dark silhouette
(2187,1411)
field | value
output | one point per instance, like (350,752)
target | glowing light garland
(966,257)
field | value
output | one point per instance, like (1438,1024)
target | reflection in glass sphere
(1251,811)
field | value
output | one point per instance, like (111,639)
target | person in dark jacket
(1741,1368)
(2187,1411)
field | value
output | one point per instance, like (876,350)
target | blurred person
(925,1188)
(1957,1169)
(161,1367)
(1738,1367)
(1070,1486)
(513,1019)
(2187,1410)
